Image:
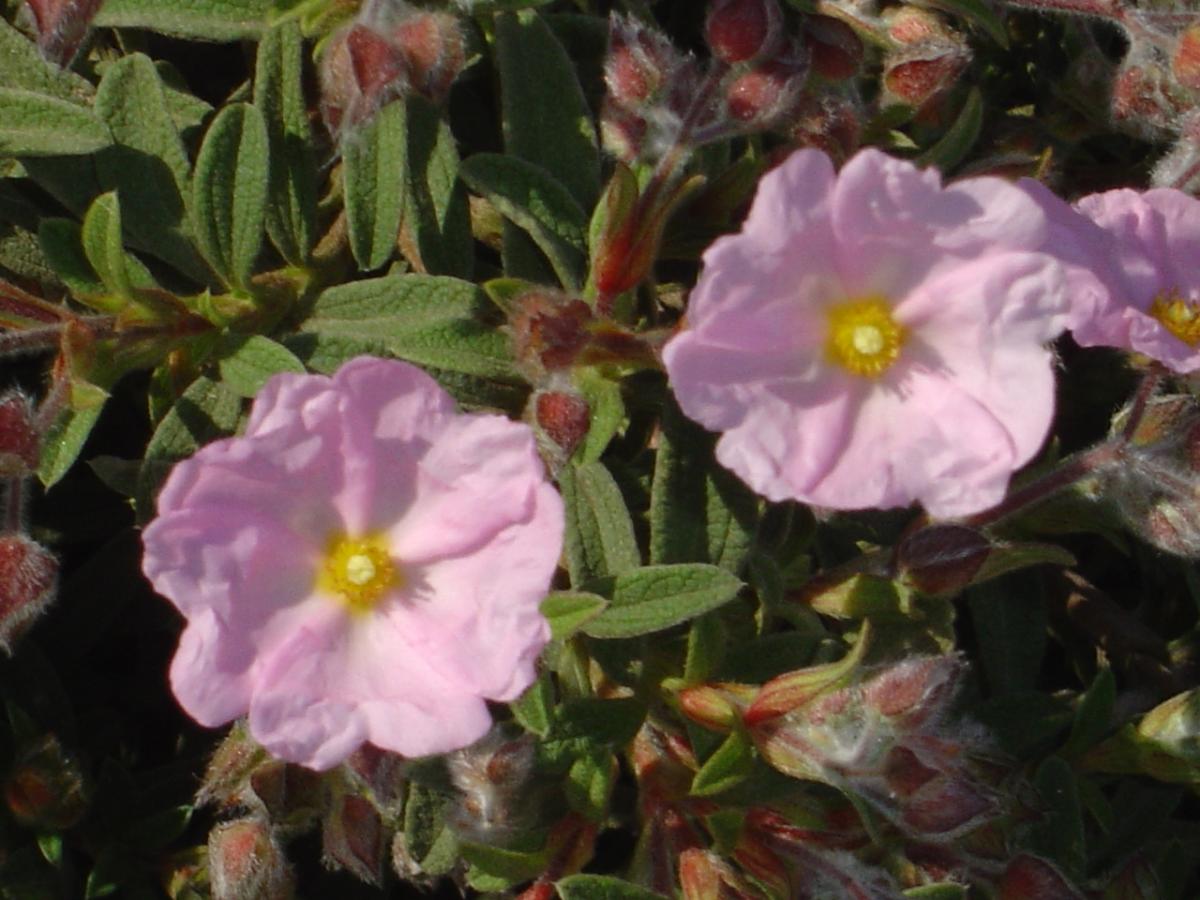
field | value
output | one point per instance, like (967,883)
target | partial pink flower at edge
(872,338)
(364,564)
(1132,262)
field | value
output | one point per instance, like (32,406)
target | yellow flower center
(358,570)
(1180,317)
(863,337)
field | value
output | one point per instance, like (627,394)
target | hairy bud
(836,51)
(62,25)
(28,581)
(1029,876)
(919,74)
(548,331)
(44,789)
(739,31)
(492,777)
(770,92)
(563,417)
(941,559)
(432,46)
(19,438)
(246,862)
(353,838)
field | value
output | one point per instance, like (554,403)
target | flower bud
(623,133)
(918,75)
(941,559)
(1141,98)
(705,876)
(61,26)
(769,92)
(830,123)
(19,438)
(44,790)
(28,580)
(640,64)
(1029,876)
(945,807)
(1185,62)
(360,71)
(226,780)
(742,30)
(492,777)
(910,26)
(434,50)
(548,331)
(353,838)
(245,862)
(914,691)
(562,417)
(835,49)
(718,706)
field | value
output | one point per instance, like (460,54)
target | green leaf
(1093,717)
(656,597)
(531,198)
(568,611)
(602,887)
(1060,834)
(498,868)
(428,320)
(247,361)
(545,116)
(607,406)
(599,538)
(279,96)
(436,211)
(101,236)
(206,410)
(590,783)
(947,891)
(213,20)
(373,166)
(1009,619)
(728,766)
(188,111)
(583,726)
(33,124)
(64,441)
(148,166)
(705,647)
(534,708)
(23,68)
(953,146)
(229,191)
(977,12)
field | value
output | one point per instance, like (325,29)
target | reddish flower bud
(19,438)
(246,862)
(1029,876)
(945,807)
(770,92)
(353,838)
(705,876)
(492,776)
(915,691)
(360,71)
(44,790)
(1141,98)
(62,25)
(910,26)
(227,779)
(742,30)
(640,63)
(433,47)
(831,123)
(904,772)
(548,331)
(917,76)
(28,578)
(563,417)
(716,706)
(836,51)
(1185,63)
(941,559)
(623,133)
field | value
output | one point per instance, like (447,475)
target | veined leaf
(652,598)
(374,162)
(213,20)
(33,124)
(436,214)
(246,362)
(599,539)
(23,68)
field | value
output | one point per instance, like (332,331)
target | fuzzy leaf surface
(652,598)
(374,162)
(33,124)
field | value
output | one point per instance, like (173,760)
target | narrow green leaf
(1093,717)
(599,538)
(212,20)
(436,211)
(583,726)
(608,414)
(568,611)
(279,96)
(246,362)
(590,783)
(953,146)
(534,200)
(61,241)
(678,527)
(229,191)
(602,887)
(23,68)
(1009,620)
(534,708)
(33,124)
(432,321)
(546,118)
(374,160)
(498,868)
(148,166)
(705,647)
(728,766)
(1060,834)
(101,237)
(63,443)
(206,410)
(656,597)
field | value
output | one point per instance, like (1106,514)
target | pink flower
(1140,251)
(873,338)
(363,564)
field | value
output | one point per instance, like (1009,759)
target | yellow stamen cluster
(863,337)
(358,571)
(1180,317)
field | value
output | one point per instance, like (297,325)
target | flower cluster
(363,564)
(872,338)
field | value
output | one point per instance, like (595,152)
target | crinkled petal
(983,327)
(1149,336)
(1139,242)
(210,673)
(479,477)
(791,211)
(896,226)
(476,618)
